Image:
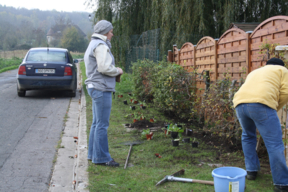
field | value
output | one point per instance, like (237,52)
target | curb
(70,170)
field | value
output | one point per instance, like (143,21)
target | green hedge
(170,86)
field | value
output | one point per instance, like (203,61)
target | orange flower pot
(149,136)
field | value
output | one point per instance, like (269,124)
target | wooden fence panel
(205,60)
(186,56)
(232,54)
(272,30)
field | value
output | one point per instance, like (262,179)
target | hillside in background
(31,26)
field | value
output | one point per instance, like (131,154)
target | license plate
(44,70)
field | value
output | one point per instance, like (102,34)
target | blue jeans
(250,116)
(98,149)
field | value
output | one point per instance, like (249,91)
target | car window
(46,56)
(70,58)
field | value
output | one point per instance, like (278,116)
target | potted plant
(175,142)
(186,140)
(142,104)
(142,117)
(131,99)
(174,129)
(189,132)
(147,133)
(195,143)
(165,131)
(136,117)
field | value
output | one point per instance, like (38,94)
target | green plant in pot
(195,143)
(142,104)
(174,129)
(146,133)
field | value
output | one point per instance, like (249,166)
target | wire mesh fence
(153,45)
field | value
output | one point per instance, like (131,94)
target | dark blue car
(47,69)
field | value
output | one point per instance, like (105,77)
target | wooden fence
(11,54)
(236,52)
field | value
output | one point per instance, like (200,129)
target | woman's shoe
(111,163)
(251,175)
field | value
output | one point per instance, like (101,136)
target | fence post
(170,56)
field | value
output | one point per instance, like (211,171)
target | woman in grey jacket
(100,82)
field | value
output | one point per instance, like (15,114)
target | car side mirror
(75,60)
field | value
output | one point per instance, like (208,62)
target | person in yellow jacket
(264,92)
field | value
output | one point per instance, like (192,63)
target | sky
(58,5)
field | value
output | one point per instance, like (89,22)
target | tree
(72,40)
(180,20)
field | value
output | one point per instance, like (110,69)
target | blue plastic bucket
(229,179)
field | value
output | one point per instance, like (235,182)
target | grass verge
(145,169)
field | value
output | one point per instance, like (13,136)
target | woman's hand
(120,70)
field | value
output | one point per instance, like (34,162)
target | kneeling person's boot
(279,188)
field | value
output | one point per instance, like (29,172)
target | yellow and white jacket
(267,85)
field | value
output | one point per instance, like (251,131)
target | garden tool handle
(172,178)
(128,157)
(203,182)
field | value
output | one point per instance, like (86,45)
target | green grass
(9,64)
(77,55)
(147,169)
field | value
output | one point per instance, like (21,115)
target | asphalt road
(30,128)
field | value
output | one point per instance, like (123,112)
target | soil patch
(145,124)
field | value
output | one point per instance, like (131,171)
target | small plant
(142,103)
(137,116)
(194,140)
(174,128)
(146,132)
(142,116)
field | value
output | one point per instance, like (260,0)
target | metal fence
(148,45)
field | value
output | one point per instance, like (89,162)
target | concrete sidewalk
(70,170)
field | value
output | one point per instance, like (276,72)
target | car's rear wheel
(21,93)
(73,92)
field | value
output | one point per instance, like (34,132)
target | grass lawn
(145,169)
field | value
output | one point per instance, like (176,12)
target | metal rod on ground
(128,157)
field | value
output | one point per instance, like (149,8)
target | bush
(170,86)
(217,108)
